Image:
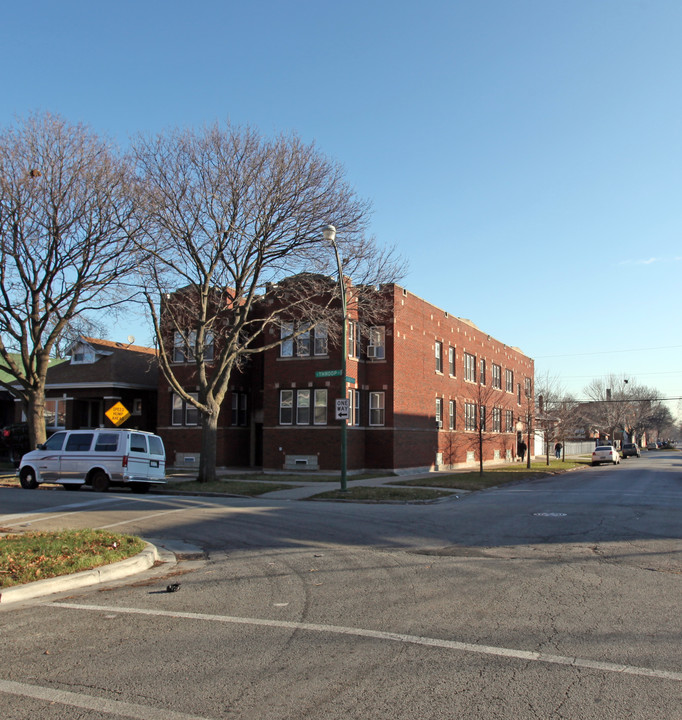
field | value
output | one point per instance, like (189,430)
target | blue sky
(524,155)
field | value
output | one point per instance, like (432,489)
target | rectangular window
(518,393)
(452,361)
(482,371)
(469,416)
(177,410)
(452,415)
(156,446)
(55,413)
(439,357)
(107,442)
(303,341)
(376,408)
(483,417)
(178,347)
(497,377)
(79,442)
(320,407)
(439,412)
(508,421)
(469,367)
(243,408)
(286,349)
(527,387)
(353,339)
(239,408)
(497,419)
(209,346)
(235,409)
(138,443)
(354,402)
(377,343)
(509,381)
(191,345)
(321,339)
(191,412)
(303,407)
(286,407)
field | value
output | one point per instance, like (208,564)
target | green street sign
(328,373)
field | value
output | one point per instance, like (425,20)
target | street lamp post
(329,234)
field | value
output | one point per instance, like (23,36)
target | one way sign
(342,409)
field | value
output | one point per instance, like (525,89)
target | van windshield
(56,442)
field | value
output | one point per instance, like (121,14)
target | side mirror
(41,446)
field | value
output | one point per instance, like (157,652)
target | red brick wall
(409,380)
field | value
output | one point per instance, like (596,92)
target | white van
(100,457)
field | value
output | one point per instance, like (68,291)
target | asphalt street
(554,598)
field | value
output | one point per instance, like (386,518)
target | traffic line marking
(528,655)
(89,702)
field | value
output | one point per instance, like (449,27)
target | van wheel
(100,482)
(27,478)
(140,487)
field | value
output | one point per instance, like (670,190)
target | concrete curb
(107,573)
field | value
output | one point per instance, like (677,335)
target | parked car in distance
(651,446)
(100,457)
(605,453)
(630,450)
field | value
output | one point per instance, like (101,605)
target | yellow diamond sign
(117,413)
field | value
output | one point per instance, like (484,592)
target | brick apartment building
(421,381)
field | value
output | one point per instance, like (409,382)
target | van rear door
(138,457)
(157,458)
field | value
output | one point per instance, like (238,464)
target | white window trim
(379,408)
(319,393)
(376,349)
(289,407)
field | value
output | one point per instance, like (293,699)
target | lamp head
(329,233)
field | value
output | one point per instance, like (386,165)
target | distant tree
(229,216)
(559,415)
(619,403)
(608,403)
(639,408)
(661,420)
(66,223)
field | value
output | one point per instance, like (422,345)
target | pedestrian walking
(557,450)
(522,450)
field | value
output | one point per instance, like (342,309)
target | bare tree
(230,215)
(607,406)
(66,223)
(480,413)
(80,326)
(619,403)
(557,415)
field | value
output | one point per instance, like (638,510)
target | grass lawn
(382,494)
(295,478)
(474,480)
(230,487)
(26,557)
